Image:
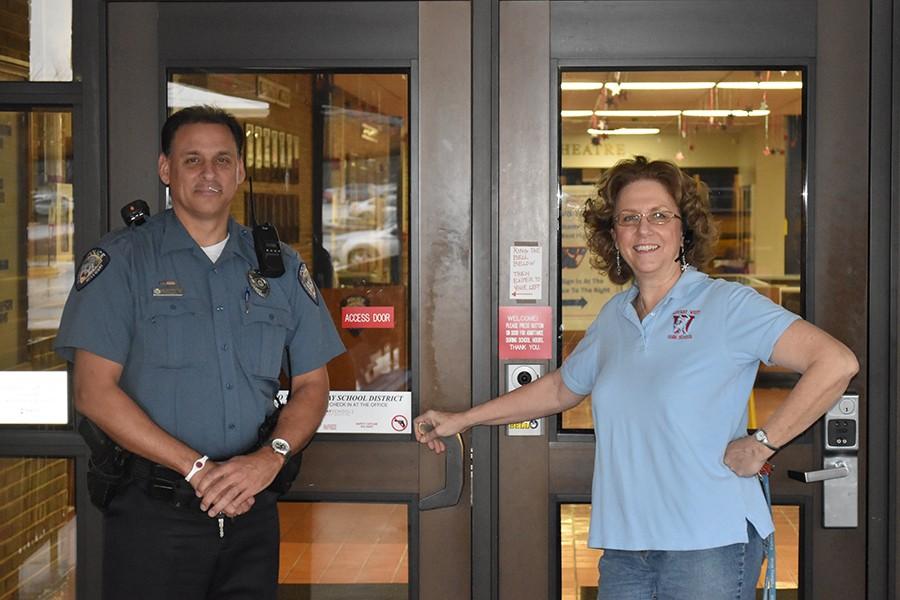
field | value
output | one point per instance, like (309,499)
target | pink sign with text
(525,332)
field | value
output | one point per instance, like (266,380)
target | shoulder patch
(307,283)
(92,265)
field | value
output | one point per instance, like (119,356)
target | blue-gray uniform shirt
(201,347)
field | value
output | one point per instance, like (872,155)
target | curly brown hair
(691,196)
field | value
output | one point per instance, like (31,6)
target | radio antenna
(252,204)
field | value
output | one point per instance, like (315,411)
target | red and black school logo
(682,320)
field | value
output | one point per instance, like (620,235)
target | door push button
(841,433)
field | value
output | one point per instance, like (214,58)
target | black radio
(265,243)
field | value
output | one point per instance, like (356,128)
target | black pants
(155,551)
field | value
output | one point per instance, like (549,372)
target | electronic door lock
(842,424)
(839,473)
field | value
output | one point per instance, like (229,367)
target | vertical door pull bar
(454,474)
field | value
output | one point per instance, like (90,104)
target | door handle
(450,494)
(840,477)
(839,470)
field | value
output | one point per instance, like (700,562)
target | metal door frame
(809,33)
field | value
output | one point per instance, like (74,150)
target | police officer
(177,342)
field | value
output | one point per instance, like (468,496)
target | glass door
(743,113)
(741,132)
(342,144)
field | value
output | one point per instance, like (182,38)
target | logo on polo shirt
(682,320)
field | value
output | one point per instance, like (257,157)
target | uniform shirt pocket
(264,327)
(174,333)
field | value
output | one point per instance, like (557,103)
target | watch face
(280,446)
(760,435)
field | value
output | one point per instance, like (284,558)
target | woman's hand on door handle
(433,425)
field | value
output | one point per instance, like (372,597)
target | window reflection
(36,40)
(740,132)
(37,510)
(36,260)
(329,156)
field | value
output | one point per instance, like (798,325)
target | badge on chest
(258,283)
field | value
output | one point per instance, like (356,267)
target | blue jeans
(725,573)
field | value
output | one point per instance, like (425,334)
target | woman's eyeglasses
(629,218)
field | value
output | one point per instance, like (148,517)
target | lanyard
(769,587)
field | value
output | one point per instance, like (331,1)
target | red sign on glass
(367,317)
(525,332)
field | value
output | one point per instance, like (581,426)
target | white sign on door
(368,412)
(34,398)
(525,281)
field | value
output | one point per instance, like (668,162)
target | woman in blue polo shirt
(669,364)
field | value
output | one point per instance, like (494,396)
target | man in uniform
(177,342)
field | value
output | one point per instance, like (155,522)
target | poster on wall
(584,289)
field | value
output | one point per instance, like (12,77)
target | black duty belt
(162,483)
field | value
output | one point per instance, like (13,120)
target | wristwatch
(761,437)
(280,446)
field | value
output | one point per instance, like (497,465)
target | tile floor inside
(324,542)
(342,543)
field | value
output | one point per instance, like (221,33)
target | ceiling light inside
(637,113)
(625,131)
(574,114)
(724,113)
(760,85)
(664,85)
(580,85)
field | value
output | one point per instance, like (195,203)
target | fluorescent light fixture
(637,113)
(574,114)
(724,113)
(625,131)
(580,85)
(663,85)
(760,85)
(706,113)
(750,113)
(682,85)
(182,95)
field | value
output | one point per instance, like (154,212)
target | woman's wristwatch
(761,437)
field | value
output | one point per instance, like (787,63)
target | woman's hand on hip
(746,456)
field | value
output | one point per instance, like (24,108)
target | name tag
(168,289)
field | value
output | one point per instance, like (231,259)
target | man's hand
(230,487)
(746,456)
